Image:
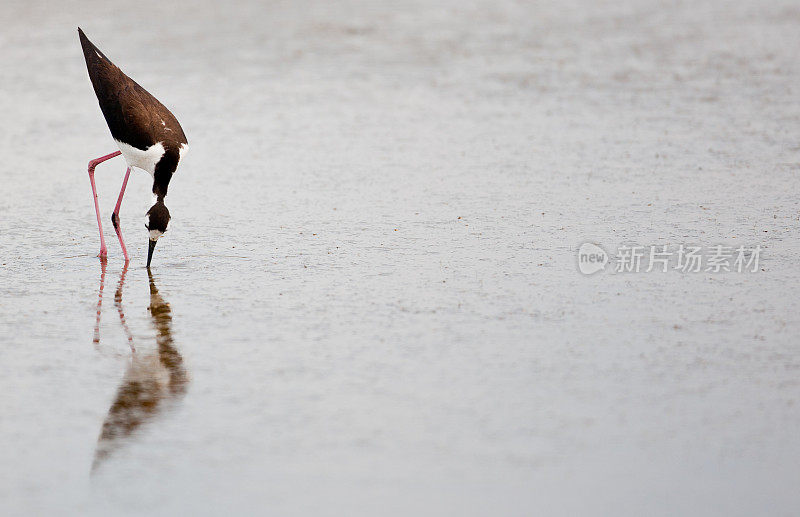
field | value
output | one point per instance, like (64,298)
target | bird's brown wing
(133,115)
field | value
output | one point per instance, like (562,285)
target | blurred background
(368,301)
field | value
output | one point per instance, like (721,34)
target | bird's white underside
(147,159)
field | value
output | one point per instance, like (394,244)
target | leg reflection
(103,264)
(151,381)
(118,305)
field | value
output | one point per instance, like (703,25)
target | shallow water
(368,300)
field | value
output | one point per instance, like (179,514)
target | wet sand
(368,301)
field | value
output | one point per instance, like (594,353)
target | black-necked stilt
(148,135)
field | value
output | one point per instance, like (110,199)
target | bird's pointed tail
(90,52)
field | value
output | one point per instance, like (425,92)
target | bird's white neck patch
(155,235)
(145,160)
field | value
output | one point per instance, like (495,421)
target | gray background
(371,266)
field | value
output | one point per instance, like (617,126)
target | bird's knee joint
(115,220)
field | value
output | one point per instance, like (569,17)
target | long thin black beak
(150,252)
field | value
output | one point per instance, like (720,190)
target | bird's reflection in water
(152,380)
(120,310)
(103,264)
(117,303)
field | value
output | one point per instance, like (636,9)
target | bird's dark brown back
(133,115)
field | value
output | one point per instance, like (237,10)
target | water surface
(368,301)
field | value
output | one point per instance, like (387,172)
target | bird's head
(157,221)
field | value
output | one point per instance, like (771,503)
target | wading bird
(148,135)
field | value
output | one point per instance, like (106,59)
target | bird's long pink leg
(92,164)
(115,215)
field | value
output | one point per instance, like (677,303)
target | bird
(148,136)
